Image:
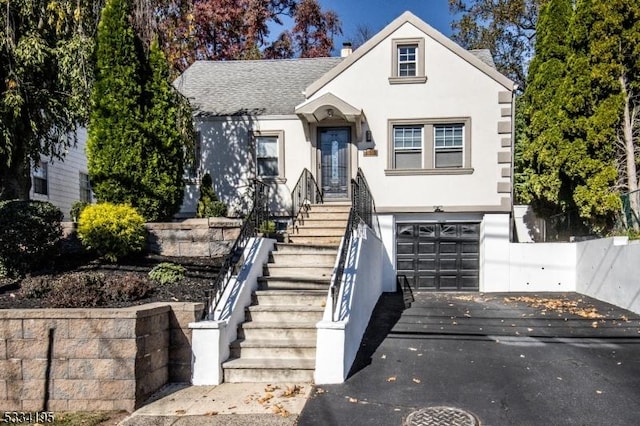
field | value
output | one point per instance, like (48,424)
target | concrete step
(277,270)
(330,207)
(294,283)
(283,313)
(327,231)
(289,349)
(314,258)
(262,370)
(332,241)
(290,297)
(321,223)
(282,248)
(300,330)
(323,215)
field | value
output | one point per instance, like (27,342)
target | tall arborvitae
(164,151)
(116,133)
(541,145)
(138,122)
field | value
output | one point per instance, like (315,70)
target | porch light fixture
(367,135)
(330,112)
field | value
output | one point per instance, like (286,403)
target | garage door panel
(439,256)
(405,248)
(427,248)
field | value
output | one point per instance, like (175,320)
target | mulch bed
(200,273)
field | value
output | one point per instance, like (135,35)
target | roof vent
(346,49)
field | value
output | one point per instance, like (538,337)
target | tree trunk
(15,179)
(629,148)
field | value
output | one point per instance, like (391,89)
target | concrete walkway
(227,404)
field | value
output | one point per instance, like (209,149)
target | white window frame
(279,136)
(451,148)
(414,149)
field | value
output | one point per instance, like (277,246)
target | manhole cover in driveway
(441,416)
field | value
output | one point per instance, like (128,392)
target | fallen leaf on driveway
(211,413)
(598,392)
(383,356)
(353,400)
(391,379)
(594,324)
(181,412)
(413,349)
(416,380)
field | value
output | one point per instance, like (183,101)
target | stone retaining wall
(92,359)
(212,237)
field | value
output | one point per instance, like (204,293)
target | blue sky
(376,14)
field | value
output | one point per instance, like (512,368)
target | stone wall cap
(138,311)
(224,222)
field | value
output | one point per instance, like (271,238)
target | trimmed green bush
(29,235)
(112,230)
(209,205)
(167,273)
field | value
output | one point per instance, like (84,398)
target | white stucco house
(429,123)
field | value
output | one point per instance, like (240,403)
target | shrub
(76,209)
(167,273)
(29,235)
(209,205)
(112,230)
(127,287)
(80,289)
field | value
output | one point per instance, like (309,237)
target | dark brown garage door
(438,256)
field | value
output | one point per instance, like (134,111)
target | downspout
(513,156)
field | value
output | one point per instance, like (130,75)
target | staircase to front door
(277,342)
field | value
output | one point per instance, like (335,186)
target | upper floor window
(192,159)
(40,180)
(269,146)
(429,146)
(408,61)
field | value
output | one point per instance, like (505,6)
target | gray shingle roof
(484,55)
(263,87)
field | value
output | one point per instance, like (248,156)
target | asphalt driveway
(509,359)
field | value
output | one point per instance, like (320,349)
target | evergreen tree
(163,154)
(138,122)
(539,151)
(116,133)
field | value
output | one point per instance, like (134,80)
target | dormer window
(408,61)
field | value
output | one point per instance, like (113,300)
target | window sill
(408,80)
(419,172)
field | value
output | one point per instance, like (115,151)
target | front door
(334,162)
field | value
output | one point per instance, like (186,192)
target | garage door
(438,256)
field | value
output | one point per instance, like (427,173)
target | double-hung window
(40,180)
(407,147)
(85,188)
(269,147)
(448,144)
(429,146)
(408,61)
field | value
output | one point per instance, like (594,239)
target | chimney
(346,49)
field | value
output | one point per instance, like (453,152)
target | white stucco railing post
(210,348)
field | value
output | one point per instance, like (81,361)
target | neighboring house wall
(63,186)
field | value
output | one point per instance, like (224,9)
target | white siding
(64,176)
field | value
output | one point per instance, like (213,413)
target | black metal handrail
(304,194)
(258,215)
(363,210)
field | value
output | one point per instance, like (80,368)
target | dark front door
(438,256)
(334,162)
